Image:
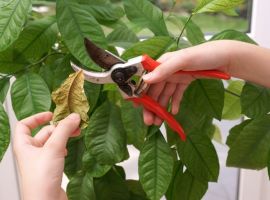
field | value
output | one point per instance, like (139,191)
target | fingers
(164,99)
(26,125)
(58,140)
(43,135)
(177,97)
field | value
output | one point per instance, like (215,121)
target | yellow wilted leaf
(70,98)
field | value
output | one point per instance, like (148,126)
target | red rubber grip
(151,105)
(150,64)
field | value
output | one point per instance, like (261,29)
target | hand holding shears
(122,72)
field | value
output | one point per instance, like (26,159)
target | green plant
(37,50)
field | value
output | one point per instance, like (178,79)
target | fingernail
(74,116)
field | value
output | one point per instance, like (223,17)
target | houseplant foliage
(37,48)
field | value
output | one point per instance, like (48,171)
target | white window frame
(255,185)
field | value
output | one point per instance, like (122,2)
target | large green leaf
(145,14)
(111,187)
(188,187)
(61,71)
(92,92)
(104,11)
(154,47)
(206,96)
(10,63)
(30,95)
(155,166)
(36,39)
(92,166)
(81,187)
(122,36)
(105,136)
(134,125)
(216,5)
(251,147)
(4,131)
(73,160)
(199,156)
(12,19)
(75,23)
(232,105)
(177,172)
(235,132)
(233,35)
(255,100)
(4,86)
(136,190)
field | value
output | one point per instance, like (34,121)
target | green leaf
(155,166)
(4,131)
(251,147)
(199,156)
(134,125)
(111,187)
(188,187)
(30,95)
(233,35)
(104,11)
(75,23)
(194,33)
(136,190)
(81,187)
(36,39)
(61,71)
(10,63)
(177,172)
(73,160)
(154,47)
(92,92)
(70,98)
(12,19)
(235,132)
(122,36)
(232,104)
(255,100)
(47,73)
(216,5)
(4,86)
(93,167)
(206,96)
(105,136)
(145,14)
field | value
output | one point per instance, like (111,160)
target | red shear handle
(154,107)
(149,64)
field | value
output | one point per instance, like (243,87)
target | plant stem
(232,93)
(178,39)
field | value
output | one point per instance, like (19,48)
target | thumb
(58,140)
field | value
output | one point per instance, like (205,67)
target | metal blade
(100,56)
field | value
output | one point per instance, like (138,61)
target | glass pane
(210,23)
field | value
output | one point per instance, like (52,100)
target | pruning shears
(122,74)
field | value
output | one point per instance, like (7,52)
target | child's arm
(40,159)
(241,60)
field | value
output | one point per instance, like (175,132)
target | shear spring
(142,86)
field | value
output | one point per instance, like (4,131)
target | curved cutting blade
(101,57)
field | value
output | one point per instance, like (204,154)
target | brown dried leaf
(70,98)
